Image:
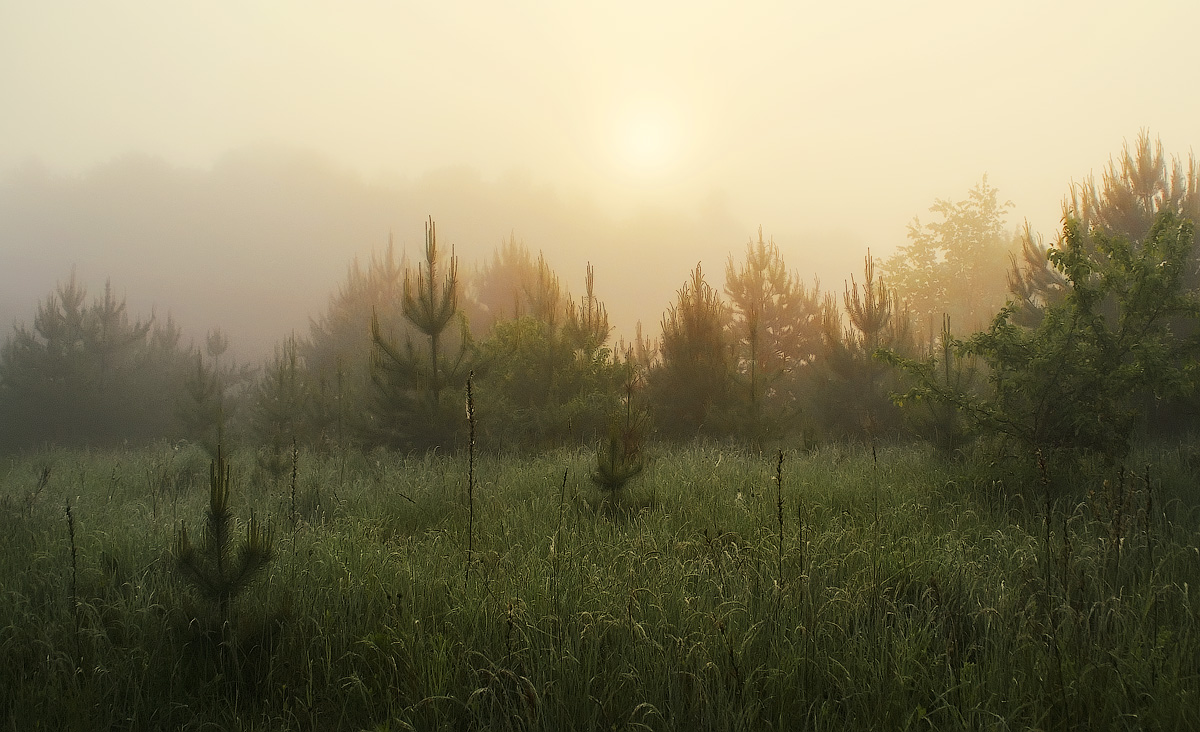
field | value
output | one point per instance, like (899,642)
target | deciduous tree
(955,266)
(1077,380)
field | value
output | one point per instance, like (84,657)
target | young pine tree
(201,407)
(690,386)
(417,388)
(88,374)
(854,386)
(620,456)
(283,409)
(776,331)
(586,328)
(501,285)
(546,384)
(337,351)
(208,404)
(220,568)
(946,371)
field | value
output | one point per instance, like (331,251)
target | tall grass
(916,596)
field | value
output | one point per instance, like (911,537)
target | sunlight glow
(647,144)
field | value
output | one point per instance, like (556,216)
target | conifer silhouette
(587,327)
(619,457)
(220,569)
(411,408)
(854,384)
(690,385)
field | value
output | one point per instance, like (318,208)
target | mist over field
(257,243)
(227,167)
(567,365)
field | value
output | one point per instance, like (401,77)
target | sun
(647,143)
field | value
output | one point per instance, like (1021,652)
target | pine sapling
(620,458)
(616,464)
(218,568)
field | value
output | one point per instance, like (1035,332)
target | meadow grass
(926,594)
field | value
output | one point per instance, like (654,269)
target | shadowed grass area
(926,594)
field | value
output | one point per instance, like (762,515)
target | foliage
(938,614)
(852,387)
(201,410)
(941,421)
(284,409)
(690,386)
(586,328)
(621,457)
(337,351)
(218,569)
(537,390)
(1033,282)
(417,403)
(1132,192)
(547,378)
(88,375)
(498,285)
(513,284)
(954,266)
(211,394)
(1081,378)
(776,329)
(546,298)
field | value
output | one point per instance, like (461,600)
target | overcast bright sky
(801,116)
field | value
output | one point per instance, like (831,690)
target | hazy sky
(805,117)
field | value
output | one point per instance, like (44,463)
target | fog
(257,243)
(227,163)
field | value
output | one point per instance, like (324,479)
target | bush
(1081,379)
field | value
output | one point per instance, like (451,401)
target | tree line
(1076,344)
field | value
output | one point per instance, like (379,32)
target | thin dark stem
(875,483)
(562,495)
(1046,488)
(295,462)
(470,475)
(74,599)
(779,509)
(1150,572)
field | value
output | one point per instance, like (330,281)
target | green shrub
(1081,378)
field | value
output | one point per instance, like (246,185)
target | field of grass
(889,591)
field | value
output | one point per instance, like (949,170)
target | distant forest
(968,332)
